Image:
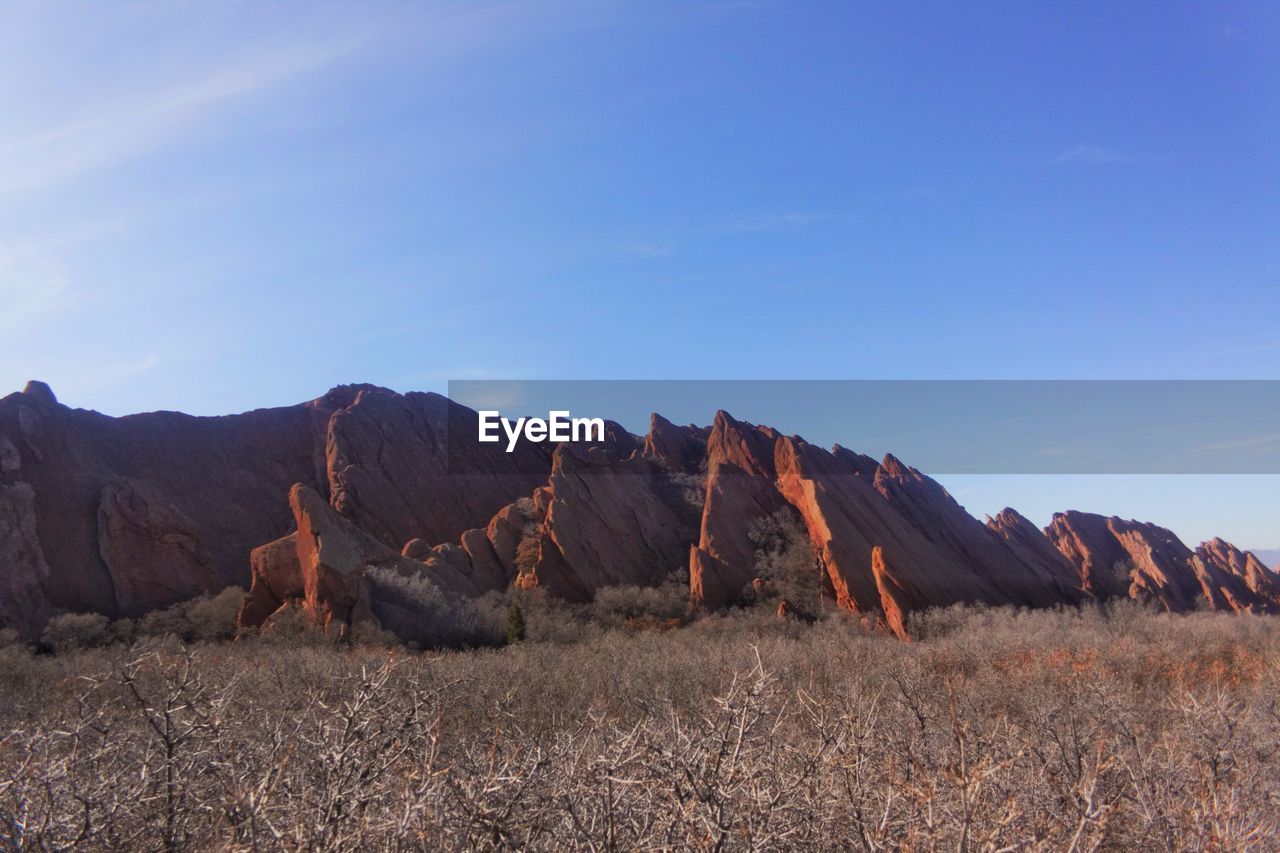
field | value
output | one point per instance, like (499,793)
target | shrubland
(623,725)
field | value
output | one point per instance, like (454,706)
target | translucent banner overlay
(941,426)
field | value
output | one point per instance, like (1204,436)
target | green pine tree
(515,623)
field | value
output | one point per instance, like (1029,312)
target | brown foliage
(1053,730)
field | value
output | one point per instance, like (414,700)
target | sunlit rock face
(342,507)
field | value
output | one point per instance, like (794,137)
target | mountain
(355,508)
(125,515)
(1269,556)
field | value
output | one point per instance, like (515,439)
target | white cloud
(1093,155)
(140,122)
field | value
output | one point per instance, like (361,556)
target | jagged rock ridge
(337,507)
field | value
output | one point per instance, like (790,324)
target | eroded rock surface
(1118,558)
(344,578)
(356,508)
(134,513)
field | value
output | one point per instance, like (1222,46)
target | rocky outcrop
(388,522)
(24,572)
(680,448)
(852,508)
(1032,549)
(152,550)
(393,471)
(740,492)
(343,578)
(275,579)
(609,522)
(1117,558)
(1242,580)
(123,515)
(890,594)
(135,512)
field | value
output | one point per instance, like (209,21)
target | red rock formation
(24,572)
(152,551)
(123,515)
(608,522)
(1045,564)
(1243,581)
(275,579)
(393,471)
(681,448)
(850,507)
(740,490)
(344,577)
(1119,558)
(890,594)
(116,498)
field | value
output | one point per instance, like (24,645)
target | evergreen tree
(515,623)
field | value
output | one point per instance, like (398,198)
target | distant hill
(1270,556)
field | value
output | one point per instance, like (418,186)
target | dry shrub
(1087,729)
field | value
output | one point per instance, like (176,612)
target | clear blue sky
(213,207)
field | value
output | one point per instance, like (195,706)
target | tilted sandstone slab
(393,471)
(680,448)
(1046,566)
(343,577)
(1118,558)
(851,506)
(1225,558)
(609,522)
(740,492)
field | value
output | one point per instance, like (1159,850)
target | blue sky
(214,207)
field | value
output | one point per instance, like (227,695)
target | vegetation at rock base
(1103,728)
(515,623)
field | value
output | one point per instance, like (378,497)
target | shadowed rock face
(24,572)
(1130,559)
(344,577)
(134,513)
(125,515)
(390,468)
(361,500)
(153,552)
(609,522)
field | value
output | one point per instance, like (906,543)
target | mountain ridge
(125,515)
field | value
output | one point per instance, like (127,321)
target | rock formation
(123,515)
(852,506)
(1117,558)
(393,471)
(356,508)
(344,578)
(608,522)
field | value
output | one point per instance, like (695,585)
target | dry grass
(1087,730)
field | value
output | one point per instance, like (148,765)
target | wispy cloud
(777,222)
(676,237)
(1093,155)
(31,289)
(1249,442)
(141,122)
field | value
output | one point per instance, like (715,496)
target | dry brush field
(1096,729)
